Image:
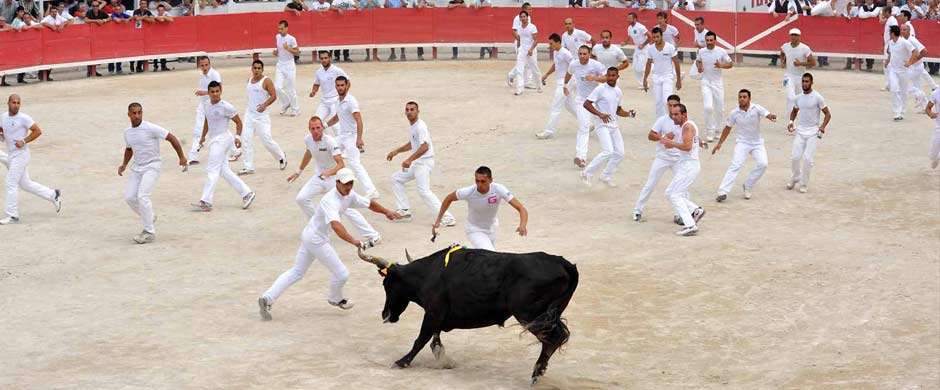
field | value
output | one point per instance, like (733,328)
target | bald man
(17,130)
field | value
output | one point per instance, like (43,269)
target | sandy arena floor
(836,288)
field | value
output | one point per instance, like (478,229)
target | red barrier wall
(747,32)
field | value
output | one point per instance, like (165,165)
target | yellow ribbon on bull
(452,250)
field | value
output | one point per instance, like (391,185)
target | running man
(17,130)
(416,167)
(525,54)
(261,94)
(221,145)
(286,75)
(748,142)
(916,72)
(795,57)
(808,131)
(666,159)
(604,103)
(483,201)
(574,38)
(588,72)
(315,243)
(325,78)
(900,57)
(142,143)
(608,54)
(686,170)
(662,62)
(560,62)
(349,135)
(933,112)
(641,37)
(709,62)
(207,76)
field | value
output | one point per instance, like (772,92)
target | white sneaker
(688,231)
(544,135)
(345,304)
(201,206)
(608,181)
(246,171)
(264,308)
(803,189)
(898,118)
(9,221)
(282,164)
(710,138)
(247,200)
(791,184)
(637,216)
(585,178)
(721,198)
(517,93)
(697,214)
(144,237)
(448,222)
(57,201)
(747,193)
(405,215)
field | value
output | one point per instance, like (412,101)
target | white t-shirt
(517,23)
(218,116)
(347,122)
(708,58)
(662,59)
(323,151)
(637,33)
(575,40)
(609,56)
(16,128)
(578,71)
(284,57)
(669,34)
(204,80)
(326,79)
(58,20)
(318,6)
(700,37)
(665,125)
(935,98)
(420,135)
(891,21)
(562,60)
(911,26)
(331,206)
(256,96)
(527,36)
(606,99)
(145,140)
(900,52)
(747,123)
(692,154)
(919,47)
(800,52)
(483,207)
(810,105)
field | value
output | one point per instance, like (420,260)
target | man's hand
(293,177)
(790,128)
(434,227)
(121,170)
(183,162)
(530,51)
(360,143)
(312,93)
(522,230)
(274,52)
(391,215)
(822,129)
(261,107)
(238,142)
(678,83)
(19,143)
(605,117)
(646,87)
(202,142)
(566,91)
(932,115)
(772,117)
(405,164)
(390,155)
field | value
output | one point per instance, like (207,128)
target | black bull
(479,288)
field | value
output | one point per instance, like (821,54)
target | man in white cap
(315,243)
(795,57)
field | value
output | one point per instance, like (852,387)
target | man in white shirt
(670,32)
(17,130)
(748,142)
(796,57)
(526,54)
(350,134)
(483,201)
(900,57)
(710,61)
(532,73)
(574,38)
(604,103)
(663,64)
(207,76)
(916,72)
(416,167)
(887,17)
(327,156)
(54,21)
(808,131)
(666,159)
(142,143)
(933,112)
(699,42)
(608,54)
(588,72)
(286,74)
(325,78)
(261,94)
(221,144)
(315,243)
(686,170)
(560,62)
(640,37)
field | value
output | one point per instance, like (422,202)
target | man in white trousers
(641,37)
(560,62)
(325,78)
(662,63)
(900,58)
(806,113)
(748,142)
(221,144)
(574,38)
(666,159)
(587,72)
(142,144)
(349,136)
(933,112)
(315,243)
(285,79)
(531,73)
(17,130)
(604,103)
(416,167)
(526,54)
(795,57)
(887,17)
(608,54)
(261,95)
(670,32)
(686,170)
(710,61)
(916,72)
(207,75)
(483,199)
(327,154)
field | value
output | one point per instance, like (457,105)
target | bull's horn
(407,256)
(378,261)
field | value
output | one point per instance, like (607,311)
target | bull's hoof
(401,364)
(535,380)
(438,351)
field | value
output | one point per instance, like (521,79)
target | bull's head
(396,290)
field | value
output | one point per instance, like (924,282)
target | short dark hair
(214,84)
(342,78)
(523,13)
(282,23)
(585,47)
(317,119)
(608,33)
(663,14)
(656,30)
(633,14)
(700,19)
(412,103)
(744,90)
(484,170)
(322,52)
(894,30)
(906,13)
(674,98)
(161,5)
(526,4)
(682,109)
(613,68)
(554,37)
(134,105)
(711,34)
(810,75)
(200,58)
(258,62)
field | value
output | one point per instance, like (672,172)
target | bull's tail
(550,327)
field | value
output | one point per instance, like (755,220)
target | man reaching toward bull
(483,200)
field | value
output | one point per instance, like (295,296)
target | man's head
(904,16)
(411,111)
(325,58)
(631,18)
(905,31)
(527,8)
(282,27)
(894,32)
(657,35)
(807,82)
(143,4)
(54,11)
(710,39)
(699,24)
(554,41)
(612,75)
(215,91)
(679,114)
(569,25)
(204,64)
(257,68)
(672,101)
(605,37)
(161,9)
(744,98)
(136,113)
(795,36)
(483,177)
(584,54)
(524,17)
(13,104)
(315,125)
(344,181)
(661,17)
(342,86)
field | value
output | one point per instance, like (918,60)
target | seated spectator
(598,3)
(320,5)
(296,6)
(8,10)
(370,5)
(917,8)
(643,4)
(396,4)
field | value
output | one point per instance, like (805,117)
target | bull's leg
(437,347)
(428,328)
(542,363)
(551,341)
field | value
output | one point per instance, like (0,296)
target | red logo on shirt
(493,199)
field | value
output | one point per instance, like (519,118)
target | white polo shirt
(145,141)
(609,56)
(810,105)
(323,151)
(326,79)
(579,71)
(663,126)
(746,124)
(420,135)
(527,36)
(15,128)
(662,59)
(800,52)
(574,40)
(901,51)
(482,208)
(58,20)
(347,122)
(919,47)
(637,33)
(700,36)
(606,99)
(218,116)
(284,57)
(708,58)
(331,206)
(204,80)
(669,33)
(562,60)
